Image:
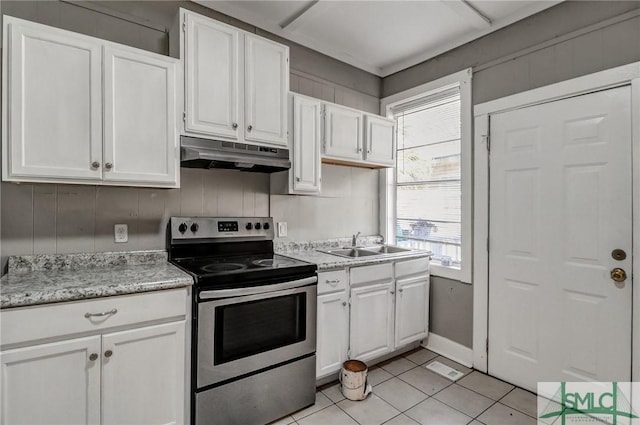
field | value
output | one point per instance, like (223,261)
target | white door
(266,69)
(371,327)
(333,332)
(140,143)
(143,375)
(560,204)
(212,77)
(57,383)
(54,103)
(379,140)
(306,144)
(412,309)
(342,132)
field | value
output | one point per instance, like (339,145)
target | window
(429,190)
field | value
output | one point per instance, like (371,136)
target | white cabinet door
(412,309)
(333,332)
(57,383)
(266,85)
(212,70)
(53,109)
(143,375)
(379,140)
(140,143)
(342,132)
(306,144)
(371,328)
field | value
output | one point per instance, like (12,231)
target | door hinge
(488,142)
(184,26)
(487,244)
(184,116)
(487,345)
(349,353)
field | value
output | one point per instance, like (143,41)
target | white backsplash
(348,204)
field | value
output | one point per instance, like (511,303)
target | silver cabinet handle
(234,125)
(93,357)
(332,282)
(95,165)
(105,313)
(250,128)
(108,165)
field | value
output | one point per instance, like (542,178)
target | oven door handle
(237,292)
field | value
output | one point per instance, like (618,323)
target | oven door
(260,327)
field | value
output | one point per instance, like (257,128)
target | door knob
(618,275)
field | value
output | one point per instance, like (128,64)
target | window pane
(429,125)
(439,201)
(432,162)
(443,239)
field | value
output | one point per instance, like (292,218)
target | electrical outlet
(282,229)
(121,233)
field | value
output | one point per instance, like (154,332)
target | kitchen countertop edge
(327,262)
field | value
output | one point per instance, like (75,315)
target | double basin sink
(369,251)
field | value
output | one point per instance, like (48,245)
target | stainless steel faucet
(354,240)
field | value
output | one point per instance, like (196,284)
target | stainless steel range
(254,321)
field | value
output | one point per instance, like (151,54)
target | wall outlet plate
(282,229)
(121,233)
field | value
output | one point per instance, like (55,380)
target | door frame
(615,77)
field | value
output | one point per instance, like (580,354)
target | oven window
(244,329)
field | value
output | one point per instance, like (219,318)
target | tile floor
(405,393)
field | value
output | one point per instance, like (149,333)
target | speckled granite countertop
(307,251)
(43,279)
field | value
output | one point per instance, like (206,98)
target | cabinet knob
(400,290)
(344,303)
(297,179)
(359,150)
(95,165)
(108,353)
(392,292)
(234,125)
(93,357)
(250,128)
(108,165)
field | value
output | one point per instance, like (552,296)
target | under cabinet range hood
(205,153)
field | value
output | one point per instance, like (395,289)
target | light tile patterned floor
(405,393)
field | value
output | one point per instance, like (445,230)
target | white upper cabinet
(379,140)
(342,132)
(60,89)
(266,85)
(305,145)
(139,117)
(212,83)
(236,83)
(52,108)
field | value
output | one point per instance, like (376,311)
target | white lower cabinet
(371,327)
(333,322)
(56,383)
(130,376)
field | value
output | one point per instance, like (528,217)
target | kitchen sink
(377,250)
(386,249)
(350,252)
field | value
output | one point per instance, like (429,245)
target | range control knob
(266,226)
(249,226)
(183,227)
(258,226)
(195,227)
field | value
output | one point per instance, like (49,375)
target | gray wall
(566,41)
(50,218)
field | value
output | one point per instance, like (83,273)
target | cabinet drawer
(56,320)
(332,281)
(371,274)
(411,267)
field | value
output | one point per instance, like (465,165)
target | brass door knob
(618,275)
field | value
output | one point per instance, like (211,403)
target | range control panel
(190,228)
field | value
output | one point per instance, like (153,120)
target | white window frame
(462,80)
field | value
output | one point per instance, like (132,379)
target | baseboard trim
(450,349)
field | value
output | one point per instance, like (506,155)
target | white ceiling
(380,36)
